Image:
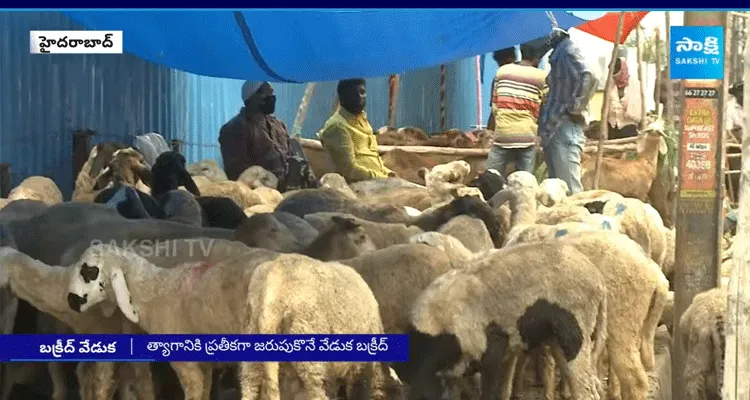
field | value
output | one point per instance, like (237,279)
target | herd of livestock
(484,274)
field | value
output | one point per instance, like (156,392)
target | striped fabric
(567,67)
(517,93)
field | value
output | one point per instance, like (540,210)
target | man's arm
(340,147)
(586,83)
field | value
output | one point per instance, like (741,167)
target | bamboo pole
(443,98)
(642,84)
(657,58)
(393,86)
(669,106)
(299,119)
(737,354)
(603,126)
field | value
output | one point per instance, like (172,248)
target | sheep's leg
(144,382)
(580,372)
(251,380)
(102,381)
(191,379)
(208,375)
(494,377)
(361,387)
(312,376)
(518,382)
(57,374)
(613,385)
(506,377)
(546,363)
(625,360)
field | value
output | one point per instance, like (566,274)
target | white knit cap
(249,88)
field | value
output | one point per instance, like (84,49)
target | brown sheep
(630,178)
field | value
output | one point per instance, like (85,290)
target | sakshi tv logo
(696,52)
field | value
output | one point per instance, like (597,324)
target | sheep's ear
(348,223)
(144,174)
(187,180)
(103,180)
(422,173)
(122,295)
(662,145)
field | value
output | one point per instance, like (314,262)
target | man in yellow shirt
(348,137)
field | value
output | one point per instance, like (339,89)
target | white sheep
(702,339)
(193,298)
(208,168)
(552,191)
(256,176)
(37,188)
(44,287)
(637,288)
(488,314)
(282,301)
(642,223)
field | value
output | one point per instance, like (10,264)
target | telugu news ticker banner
(204,348)
(75,42)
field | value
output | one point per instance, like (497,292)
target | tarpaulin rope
(253,47)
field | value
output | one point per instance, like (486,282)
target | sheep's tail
(600,331)
(718,339)
(264,318)
(659,299)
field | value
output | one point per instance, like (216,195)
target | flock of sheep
(483,277)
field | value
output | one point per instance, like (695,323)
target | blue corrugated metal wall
(44,98)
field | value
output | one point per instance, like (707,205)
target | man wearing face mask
(348,137)
(561,118)
(254,136)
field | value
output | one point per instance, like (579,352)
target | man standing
(254,136)
(348,138)
(561,120)
(517,93)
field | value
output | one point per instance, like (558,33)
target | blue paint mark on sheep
(606,226)
(561,232)
(620,209)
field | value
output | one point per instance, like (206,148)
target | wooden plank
(737,350)
(699,203)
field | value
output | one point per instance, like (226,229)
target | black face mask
(269,106)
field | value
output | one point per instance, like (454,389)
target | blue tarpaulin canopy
(317,45)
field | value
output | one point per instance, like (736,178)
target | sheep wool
(208,168)
(552,191)
(193,298)
(488,313)
(701,336)
(642,223)
(256,176)
(282,301)
(470,231)
(37,188)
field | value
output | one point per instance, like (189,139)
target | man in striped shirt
(561,120)
(517,93)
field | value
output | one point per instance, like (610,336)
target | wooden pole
(304,105)
(443,98)
(669,106)
(725,102)
(393,86)
(657,58)
(603,126)
(737,350)
(700,202)
(642,84)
